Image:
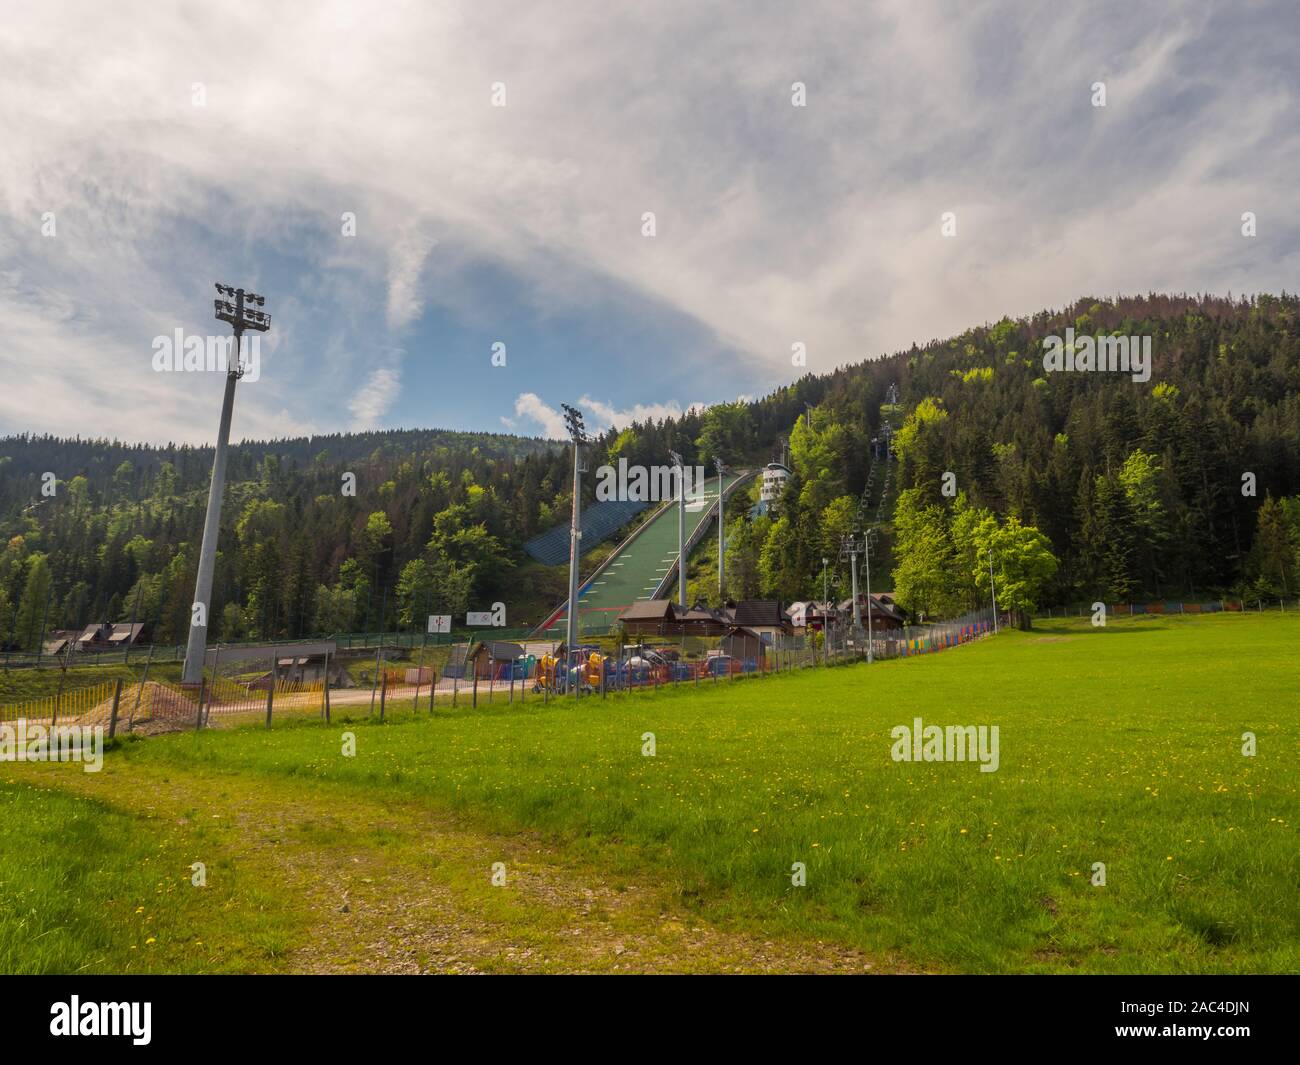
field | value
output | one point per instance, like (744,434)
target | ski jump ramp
(644,565)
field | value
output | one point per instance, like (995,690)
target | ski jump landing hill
(644,566)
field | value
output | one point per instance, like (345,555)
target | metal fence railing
(175,652)
(68,707)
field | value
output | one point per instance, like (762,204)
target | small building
(649,617)
(661,617)
(305,669)
(59,642)
(744,645)
(884,612)
(763,616)
(775,474)
(810,616)
(704,620)
(107,637)
(489,656)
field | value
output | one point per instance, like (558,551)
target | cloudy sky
(169,146)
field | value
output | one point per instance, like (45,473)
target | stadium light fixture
(235,307)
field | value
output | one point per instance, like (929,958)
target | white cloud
(375,397)
(406,263)
(605,416)
(597,415)
(775,224)
(530,406)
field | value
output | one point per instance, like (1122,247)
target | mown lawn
(1120,745)
(88,888)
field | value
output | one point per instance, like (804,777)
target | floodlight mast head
(240,315)
(573,422)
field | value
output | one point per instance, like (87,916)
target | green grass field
(1120,745)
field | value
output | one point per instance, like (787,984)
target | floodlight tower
(722,532)
(573,420)
(240,309)
(681,528)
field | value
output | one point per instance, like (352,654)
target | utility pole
(722,534)
(573,419)
(851,548)
(866,557)
(681,528)
(826,614)
(241,314)
(857,607)
(993,592)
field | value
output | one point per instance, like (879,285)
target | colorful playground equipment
(588,670)
(545,673)
(593,670)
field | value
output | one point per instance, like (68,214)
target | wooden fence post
(325,688)
(383,695)
(112,719)
(270,697)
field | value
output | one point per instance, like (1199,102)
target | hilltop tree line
(1078,486)
(1182,486)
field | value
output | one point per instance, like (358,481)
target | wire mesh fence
(404,679)
(602,667)
(1236,604)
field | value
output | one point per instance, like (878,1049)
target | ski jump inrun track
(644,566)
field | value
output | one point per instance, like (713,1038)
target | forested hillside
(1175,486)
(1080,485)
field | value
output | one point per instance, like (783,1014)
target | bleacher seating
(599,522)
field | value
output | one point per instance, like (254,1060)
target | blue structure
(600,521)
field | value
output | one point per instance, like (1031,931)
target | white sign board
(439,623)
(495,617)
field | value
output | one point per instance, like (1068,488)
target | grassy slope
(1119,746)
